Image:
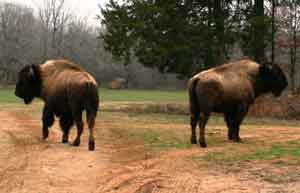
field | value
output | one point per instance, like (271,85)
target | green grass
(154,140)
(248,123)
(276,151)
(149,118)
(156,100)
(7,96)
(108,95)
(230,157)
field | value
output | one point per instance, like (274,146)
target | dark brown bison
(230,89)
(67,91)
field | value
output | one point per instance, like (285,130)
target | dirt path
(29,165)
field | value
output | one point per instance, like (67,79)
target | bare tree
(54,31)
(17,25)
(289,20)
(54,16)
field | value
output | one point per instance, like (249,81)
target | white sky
(83,8)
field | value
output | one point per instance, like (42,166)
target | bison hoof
(76,142)
(64,140)
(45,135)
(237,139)
(193,141)
(202,144)
(91,145)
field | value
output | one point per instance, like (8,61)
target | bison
(67,91)
(230,89)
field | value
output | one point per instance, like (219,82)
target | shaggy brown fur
(67,91)
(230,89)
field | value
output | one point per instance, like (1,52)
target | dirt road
(30,165)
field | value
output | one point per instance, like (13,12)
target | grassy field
(139,125)
(108,95)
(149,102)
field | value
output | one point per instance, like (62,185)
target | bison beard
(67,91)
(230,89)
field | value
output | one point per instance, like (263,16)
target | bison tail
(91,107)
(194,105)
(91,102)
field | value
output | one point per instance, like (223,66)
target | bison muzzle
(67,91)
(230,89)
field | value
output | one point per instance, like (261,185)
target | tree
(185,36)
(54,17)
(273,30)
(173,36)
(255,30)
(258,25)
(17,25)
(30,38)
(289,20)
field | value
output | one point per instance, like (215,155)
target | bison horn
(31,72)
(268,65)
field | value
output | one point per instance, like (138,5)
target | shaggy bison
(67,91)
(230,89)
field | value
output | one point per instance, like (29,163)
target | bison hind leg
(91,125)
(66,122)
(202,123)
(194,115)
(194,121)
(79,125)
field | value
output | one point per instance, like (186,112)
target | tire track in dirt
(30,165)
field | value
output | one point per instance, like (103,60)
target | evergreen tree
(183,36)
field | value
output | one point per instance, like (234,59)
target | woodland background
(152,44)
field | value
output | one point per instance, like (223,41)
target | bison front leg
(202,122)
(48,120)
(233,122)
(236,133)
(233,127)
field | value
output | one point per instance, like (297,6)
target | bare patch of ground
(143,154)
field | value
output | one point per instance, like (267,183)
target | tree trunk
(220,32)
(293,51)
(258,25)
(209,59)
(273,31)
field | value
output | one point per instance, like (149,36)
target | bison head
(29,83)
(273,78)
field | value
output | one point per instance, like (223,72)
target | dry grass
(145,107)
(285,107)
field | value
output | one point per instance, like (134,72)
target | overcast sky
(88,8)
